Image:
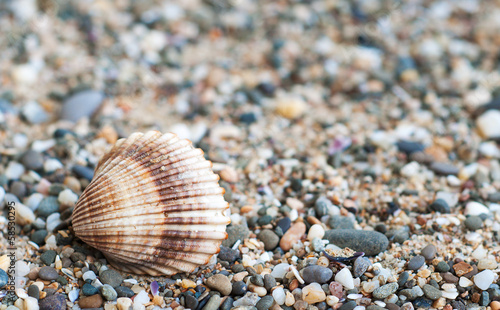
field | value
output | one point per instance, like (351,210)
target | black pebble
(34,291)
(439,205)
(124,291)
(83,172)
(239,288)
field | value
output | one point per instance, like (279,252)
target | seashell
(153,207)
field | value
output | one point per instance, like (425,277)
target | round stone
(4,278)
(257,280)
(265,303)
(48,257)
(111,277)
(440,205)
(431,292)
(416,262)
(32,160)
(191,302)
(269,282)
(269,238)
(235,233)
(123,291)
(284,224)
(292,235)
(317,274)
(47,206)
(473,223)
(89,290)
(385,290)
(53,302)
(221,283)
(442,266)
(213,303)
(370,242)
(48,273)
(361,264)
(239,288)
(228,254)
(108,292)
(429,252)
(34,291)
(94,301)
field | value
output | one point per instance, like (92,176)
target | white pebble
(488,123)
(73,295)
(293,215)
(359,308)
(280,270)
(453,181)
(89,275)
(50,243)
(354,296)
(123,303)
(475,208)
(21,293)
(344,277)
(332,300)
(51,165)
(313,293)
(279,295)
(96,283)
(316,231)
(52,221)
(67,197)
(141,298)
(22,268)
(489,149)
(464,282)
(484,279)
(14,170)
(24,214)
(31,303)
(34,200)
(43,145)
(20,140)
(410,169)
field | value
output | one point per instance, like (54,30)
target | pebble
(440,205)
(269,238)
(475,208)
(31,303)
(473,223)
(484,279)
(34,113)
(94,301)
(313,293)
(48,273)
(123,291)
(34,291)
(350,305)
(280,270)
(361,264)
(221,283)
(4,278)
(228,254)
(292,235)
(80,105)
(385,290)
(191,302)
(108,292)
(322,206)
(344,277)
(316,231)
(14,170)
(416,262)
(487,124)
(317,274)
(487,264)
(141,298)
(279,295)
(53,302)
(429,252)
(284,224)
(38,236)
(213,303)
(412,293)
(89,290)
(83,172)
(124,303)
(47,206)
(431,292)
(48,257)
(409,147)
(370,242)
(444,168)
(442,267)
(462,268)
(265,303)
(111,277)
(269,282)
(239,288)
(235,232)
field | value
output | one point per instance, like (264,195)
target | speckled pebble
(416,262)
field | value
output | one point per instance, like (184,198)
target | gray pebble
(18,188)
(227,304)
(269,238)
(191,302)
(403,277)
(269,282)
(235,232)
(370,242)
(32,160)
(38,237)
(340,222)
(111,277)
(322,206)
(431,292)
(385,290)
(444,168)
(83,172)
(53,302)
(108,292)
(442,267)
(213,303)
(48,257)
(48,273)
(374,307)
(317,274)
(89,290)
(429,252)
(348,305)
(439,205)
(47,206)
(473,223)
(257,280)
(416,262)
(265,302)
(123,291)
(34,291)
(34,113)
(228,254)
(239,288)
(82,104)
(361,264)
(412,293)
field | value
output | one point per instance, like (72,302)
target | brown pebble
(33,274)
(475,297)
(312,220)
(448,307)
(471,273)
(292,235)
(94,301)
(462,268)
(495,305)
(246,209)
(448,277)
(293,285)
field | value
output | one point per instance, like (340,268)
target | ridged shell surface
(153,207)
